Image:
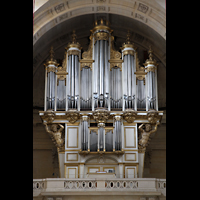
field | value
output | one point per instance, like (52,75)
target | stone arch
(53,12)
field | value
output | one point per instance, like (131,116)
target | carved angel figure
(55,134)
(146,132)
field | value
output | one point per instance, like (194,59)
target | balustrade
(38,185)
(138,184)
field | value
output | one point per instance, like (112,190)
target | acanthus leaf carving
(72,116)
(101,115)
(129,115)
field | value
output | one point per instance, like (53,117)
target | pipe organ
(104,100)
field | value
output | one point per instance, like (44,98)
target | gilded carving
(49,116)
(140,71)
(73,52)
(152,116)
(50,69)
(85,118)
(72,116)
(117,117)
(150,61)
(115,57)
(129,115)
(128,52)
(145,132)
(115,64)
(129,45)
(151,69)
(101,36)
(87,60)
(101,25)
(86,64)
(55,134)
(101,116)
(73,44)
(87,55)
(51,61)
(113,53)
(61,74)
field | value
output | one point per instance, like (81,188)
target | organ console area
(101,97)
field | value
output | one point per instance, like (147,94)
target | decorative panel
(130,157)
(72,137)
(130,171)
(71,172)
(71,156)
(93,169)
(129,137)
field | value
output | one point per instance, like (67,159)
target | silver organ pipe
(117,133)
(99,85)
(101,73)
(76,81)
(84,145)
(72,76)
(50,80)
(73,51)
(101,69)
(101,137)
(86,89)
(151,92)
(61,95)
(69,82)
(141,94)
(109,141)
(116,88)
(151,95)
(106,74)
(100,80)
(61,86)
(125,83)
(51,90)
(93,141)
(129,80)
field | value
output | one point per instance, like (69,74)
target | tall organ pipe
(129,83)
(151,87)
(51,89)
(151,95)
(106,67)
(101,69)
(101,72)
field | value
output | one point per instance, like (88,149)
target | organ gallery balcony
(137,188)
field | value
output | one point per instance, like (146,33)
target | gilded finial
(51,53)
(51,59)
(74,37)
(150,53)
(101,21)
(128,37)
(150,60)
